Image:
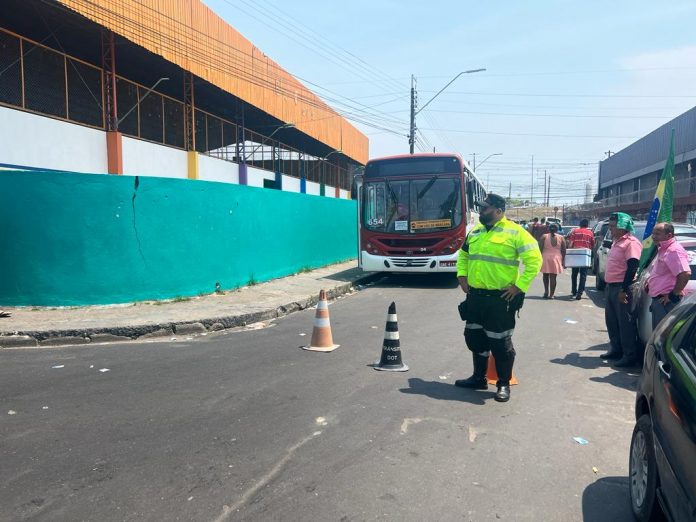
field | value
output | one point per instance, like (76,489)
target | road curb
(53,338)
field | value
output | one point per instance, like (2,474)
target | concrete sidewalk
(50,326)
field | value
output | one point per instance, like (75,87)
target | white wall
(256,176)
(291,184)
(215,169)
(313,188)
(31,140)
(142,158)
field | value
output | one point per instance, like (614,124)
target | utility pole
(609,153)
(412,131)
(531,195)
(543,199)
(548,193)
(414,104)
(474,161)
(510,192)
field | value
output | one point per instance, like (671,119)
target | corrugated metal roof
(651,149)
(190,35)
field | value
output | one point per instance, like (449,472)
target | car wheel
(642,472)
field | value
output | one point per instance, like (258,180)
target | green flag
(661,209)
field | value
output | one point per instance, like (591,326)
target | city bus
(414,212)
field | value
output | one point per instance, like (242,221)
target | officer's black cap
(492,200)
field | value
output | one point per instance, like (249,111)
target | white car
(642,300)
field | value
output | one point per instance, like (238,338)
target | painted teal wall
(78,239)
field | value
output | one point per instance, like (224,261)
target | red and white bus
(414,211)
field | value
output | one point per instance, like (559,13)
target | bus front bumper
(426,264)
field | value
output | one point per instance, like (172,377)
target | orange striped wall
(189,34)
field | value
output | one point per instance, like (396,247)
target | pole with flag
(661,209)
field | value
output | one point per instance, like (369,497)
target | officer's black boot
(504,368)
(478,380)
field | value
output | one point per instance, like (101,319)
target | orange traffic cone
(322,340)
(492,374)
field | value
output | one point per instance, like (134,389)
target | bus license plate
(448,263)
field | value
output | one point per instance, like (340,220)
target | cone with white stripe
(322,340)
(391,349)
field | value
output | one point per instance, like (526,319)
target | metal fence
(39,79)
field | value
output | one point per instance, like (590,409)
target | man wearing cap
(488,272)
(622,265)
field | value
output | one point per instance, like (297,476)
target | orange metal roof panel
(190,35)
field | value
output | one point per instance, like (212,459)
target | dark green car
(662,465)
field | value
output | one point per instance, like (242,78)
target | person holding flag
(622,265)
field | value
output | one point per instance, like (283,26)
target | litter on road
(58,366)
(570,321)
(595,470)
(12,412)
(104,370)
(580,440)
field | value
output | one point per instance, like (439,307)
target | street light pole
(484,160)
(283,126)
(414,112)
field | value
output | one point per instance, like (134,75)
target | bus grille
(416,262)
(407,243)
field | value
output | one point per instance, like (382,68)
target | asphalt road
(245,425)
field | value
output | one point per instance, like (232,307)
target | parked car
(643,300)
(681,231)
(599,231)
(662,474)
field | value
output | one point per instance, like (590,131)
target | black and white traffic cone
(391,349)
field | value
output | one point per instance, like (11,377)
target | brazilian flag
(661,208)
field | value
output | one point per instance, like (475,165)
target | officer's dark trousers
(489,328)
(621,325)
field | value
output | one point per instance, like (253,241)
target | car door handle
(665,368)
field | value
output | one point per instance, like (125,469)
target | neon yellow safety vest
(490,259)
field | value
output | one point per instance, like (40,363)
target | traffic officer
(488,272)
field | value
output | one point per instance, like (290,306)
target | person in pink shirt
(670,273)
(622,265)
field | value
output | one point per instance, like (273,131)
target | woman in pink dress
(553,249)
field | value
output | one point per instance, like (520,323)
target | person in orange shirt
(581,237)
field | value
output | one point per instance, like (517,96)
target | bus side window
(470,189)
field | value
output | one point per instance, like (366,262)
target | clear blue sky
(565,81)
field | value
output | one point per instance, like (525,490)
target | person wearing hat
(622,265)
(488,272)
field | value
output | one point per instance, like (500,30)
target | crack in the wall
(135,227)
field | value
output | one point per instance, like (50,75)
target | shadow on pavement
(627,380)
(603,347)
(446,392)
(596,296)
(575,359)
(421,281)
(607,500)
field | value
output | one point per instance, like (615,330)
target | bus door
(359,193)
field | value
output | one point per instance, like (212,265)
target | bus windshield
(412,206)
